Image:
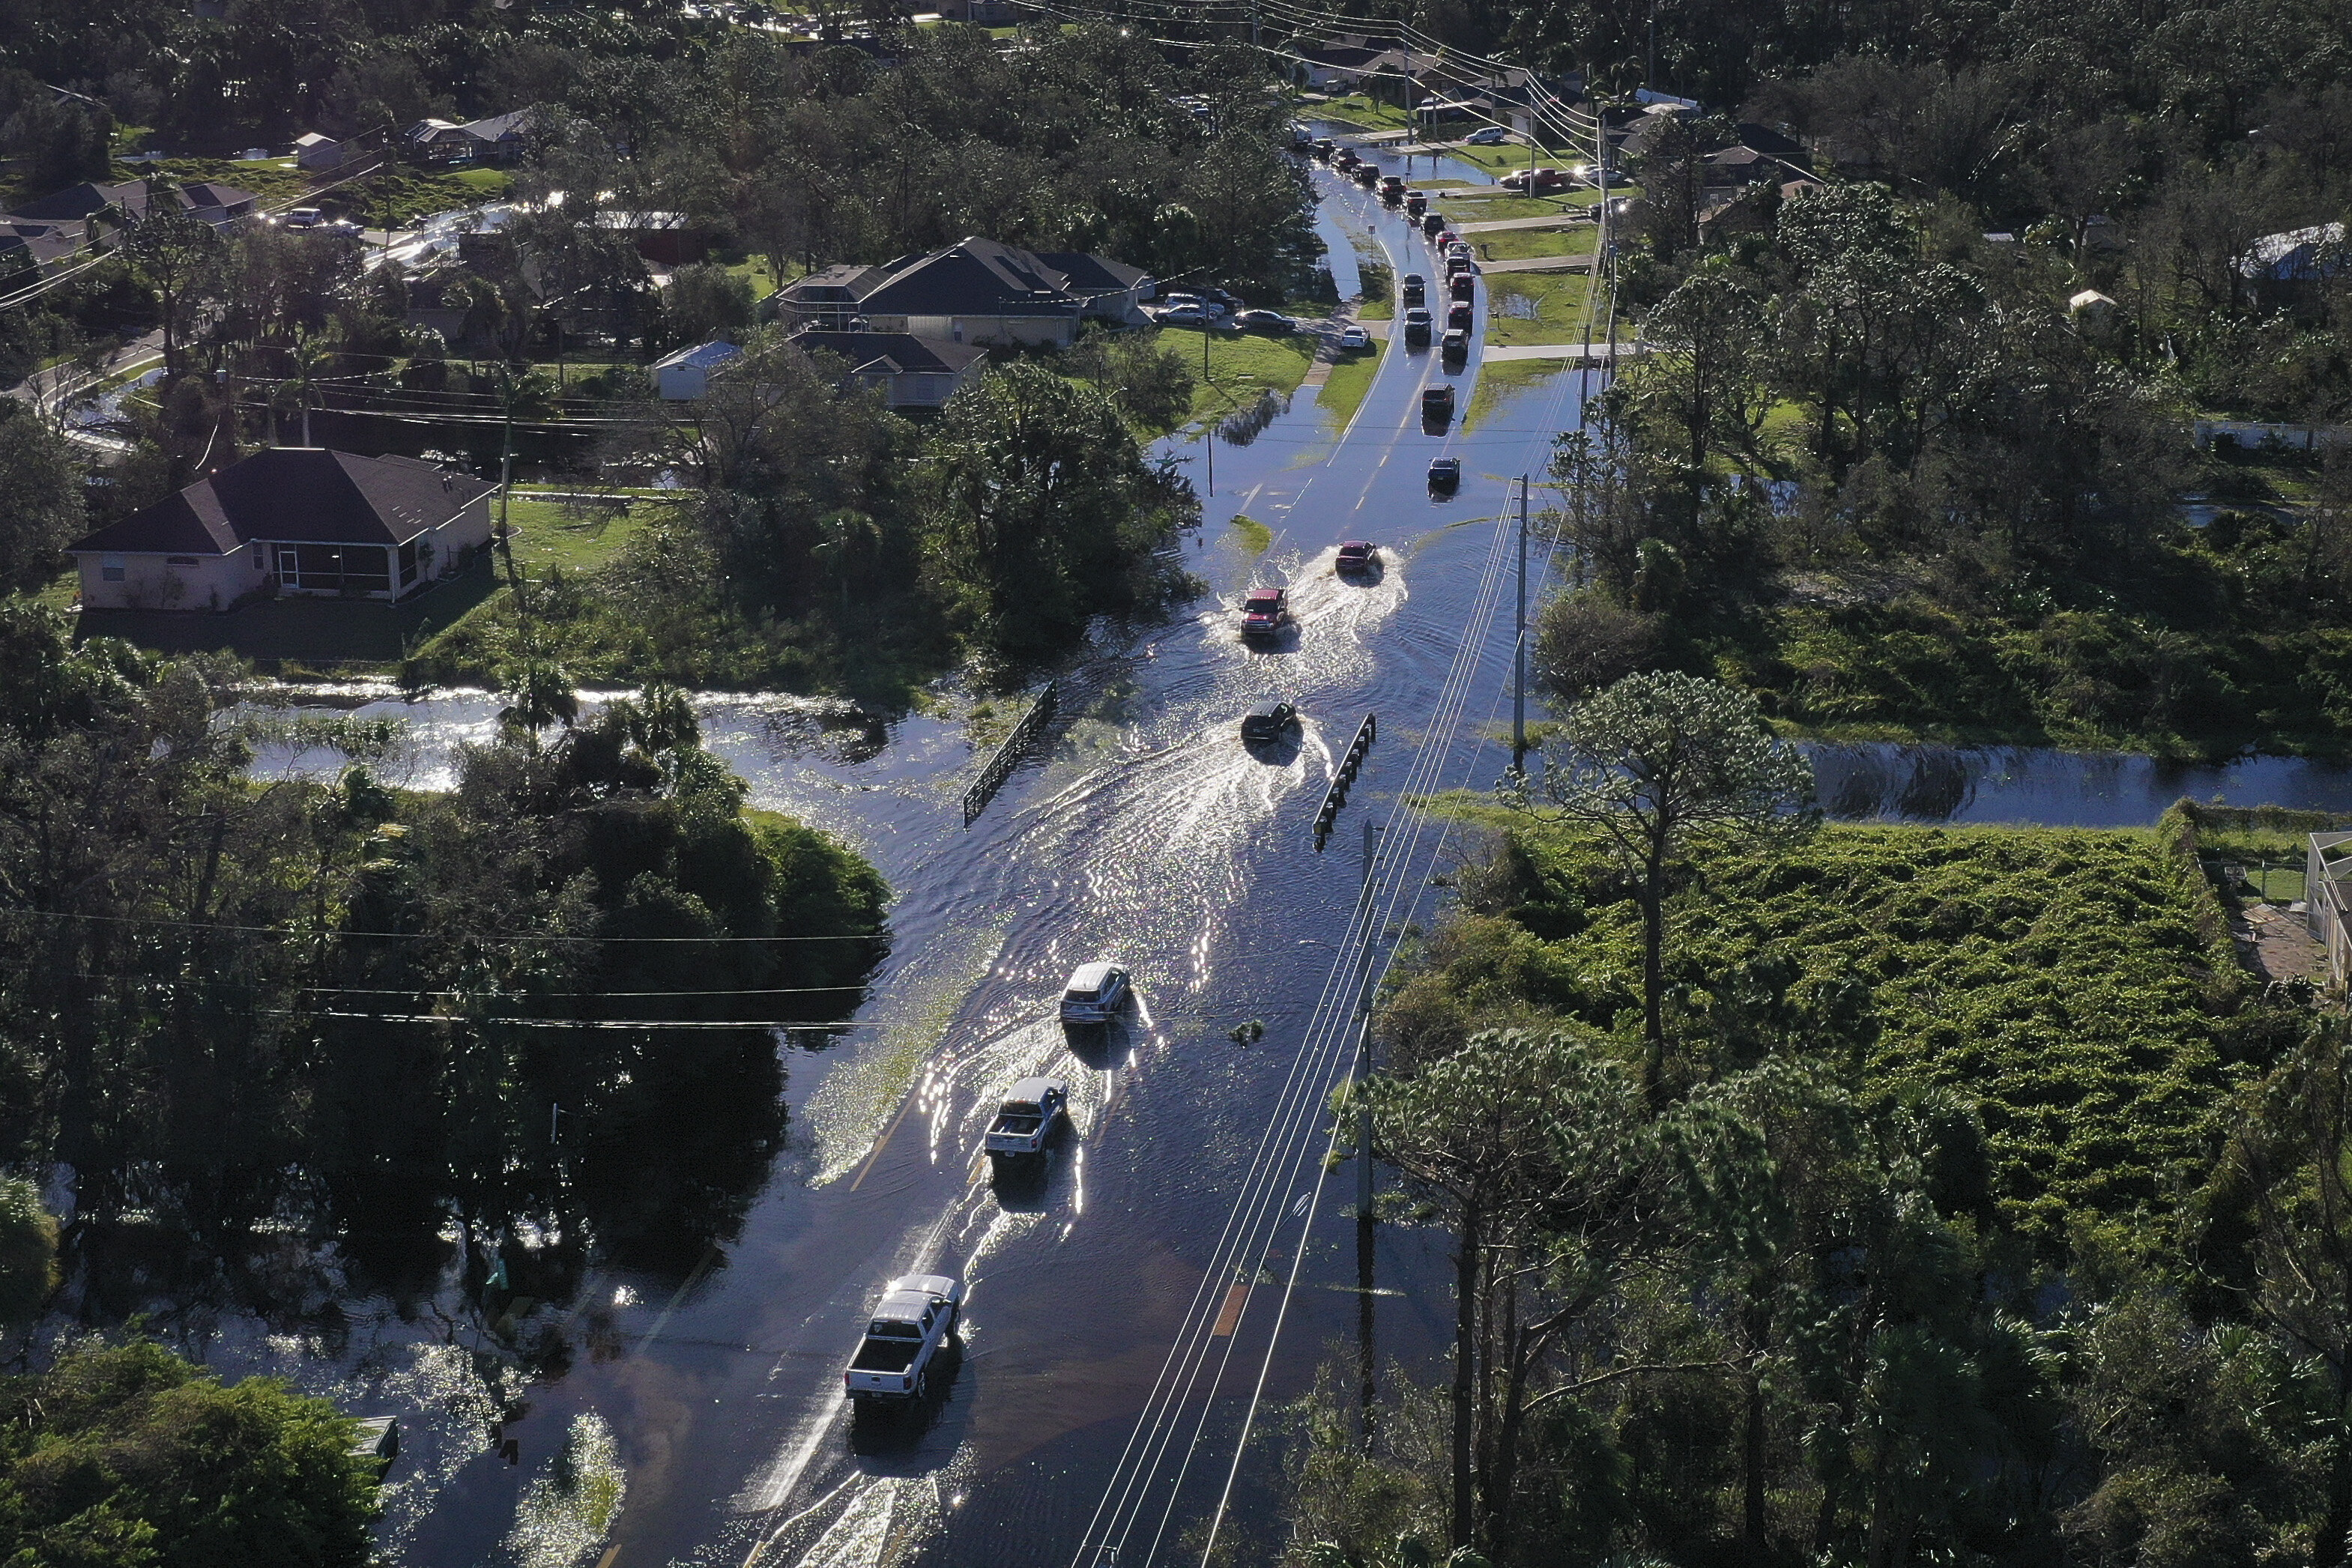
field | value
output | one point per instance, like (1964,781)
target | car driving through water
(910,1323)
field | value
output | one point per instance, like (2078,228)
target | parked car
(1416,327)
(1189,313)
(1463,285)
(1265,611)
(1026,1118)
(1454,345)
(913,1319)
(1094,993)
(1445,475)
(1414,285)
(1459,315)
(1536,180)
(1224,303)
(1267,725)
(1432,224)
(1209,301)
(1437,404)
(305,218)
(1265,322)
(1491,136)
(1355,555)
(1354,338)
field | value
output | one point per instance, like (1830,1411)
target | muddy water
(1142,831)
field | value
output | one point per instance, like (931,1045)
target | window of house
(110,569)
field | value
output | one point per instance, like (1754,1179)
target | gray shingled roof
(890,351)
(301,494)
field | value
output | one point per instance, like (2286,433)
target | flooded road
(1122,1304)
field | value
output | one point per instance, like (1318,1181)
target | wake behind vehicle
(912,1320)
(1026,1118)
(1356,556)
(1094,993)
(1267,725)
(1265,613)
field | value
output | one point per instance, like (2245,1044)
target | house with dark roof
(911,371)
(975,291)
(70,210)
(498,139)
(289,520)
(1343,62)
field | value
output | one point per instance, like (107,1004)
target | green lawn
(1242,366)
(555,536)
(1358,110)
(1514,245)
(1494,209)
(1500,161)
(1497,384)
(1350,379)
(1380,290)
(1528,308)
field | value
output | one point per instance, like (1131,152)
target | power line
(308,935)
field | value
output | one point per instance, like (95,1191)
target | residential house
(68,211)
(987,13)
(314,152)
(971,292)
(33,249)
(2298,256)
(497,140)
(289,520)
(912,372)
(686,375)
(1342,64)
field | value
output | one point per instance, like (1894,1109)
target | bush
(128,1456)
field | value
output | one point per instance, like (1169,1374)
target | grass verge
(1350,380)
(1518,245)
(1242,366)
(1534,307)
(1500,383)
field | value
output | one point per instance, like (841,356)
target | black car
(1367,175)
(1415,204)
(1269,724)
(1454,345)
(1445,474)
(1273,321)
(1437,404)
(1434,224)
(1416,327)
(1458,316)
(1322,147)
(1415,288)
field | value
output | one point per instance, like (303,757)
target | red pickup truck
(1265,611)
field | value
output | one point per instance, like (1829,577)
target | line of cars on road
(911,1329)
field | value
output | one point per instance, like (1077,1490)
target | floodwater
(1187,1210)
(1123,1304)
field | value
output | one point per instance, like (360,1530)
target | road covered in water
(1120,1326)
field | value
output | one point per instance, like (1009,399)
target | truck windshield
(889,1328)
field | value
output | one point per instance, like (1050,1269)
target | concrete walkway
(1596,352)
(1540,264)
(1497,225)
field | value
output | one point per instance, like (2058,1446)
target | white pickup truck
(914,1317)
(1026,1118)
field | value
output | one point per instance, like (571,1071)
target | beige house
(289,520)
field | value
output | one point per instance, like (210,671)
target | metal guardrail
(1337,795)
(1000,763)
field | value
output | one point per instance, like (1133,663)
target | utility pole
(1364,1042)
(1519,648)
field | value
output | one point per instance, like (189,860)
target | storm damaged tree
(1653,767)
